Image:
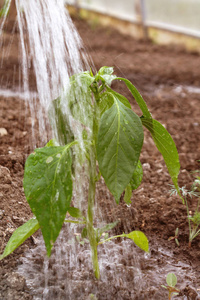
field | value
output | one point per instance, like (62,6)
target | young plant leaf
(52,143)
(140,101)
(137,177)
(48,188)
(166,146)
(119,97)
(171,279)
(75,212)
(20,235)
(106,70)
(128,194)
(140,239)
(119,144)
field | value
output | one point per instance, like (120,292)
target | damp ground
(168,78)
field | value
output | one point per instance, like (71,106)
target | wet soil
(162,75)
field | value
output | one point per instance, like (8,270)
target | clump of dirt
(163,75)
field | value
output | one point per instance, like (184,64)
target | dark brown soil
(162,75)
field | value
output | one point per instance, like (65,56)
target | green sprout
(171,280)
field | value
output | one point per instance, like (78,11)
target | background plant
(112,139)
(193,219)
(171,280)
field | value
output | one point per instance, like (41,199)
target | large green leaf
(48,188)
(119,144)
(140,101)
(166,146)
(20,235)
(139,238)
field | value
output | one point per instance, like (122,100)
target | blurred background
(166,21)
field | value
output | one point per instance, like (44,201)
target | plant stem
(90,228)
(91,195)
(188,214)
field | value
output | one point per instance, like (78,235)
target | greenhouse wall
(156,18)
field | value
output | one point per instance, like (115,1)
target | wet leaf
(171,279)
(105,103)
(52,143)
(119,144)
(120,97)
(20,235)
(166,146)
(106,70)
(140,101)
(139,238)
(48,188)
(60,123)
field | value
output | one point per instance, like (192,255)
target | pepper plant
(112,142)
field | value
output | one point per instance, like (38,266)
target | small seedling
(175,237)
(171,280)
(193,220)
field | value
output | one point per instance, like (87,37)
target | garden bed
(168,78)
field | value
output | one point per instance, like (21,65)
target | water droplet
(125,121)
(49,159)
(58,155)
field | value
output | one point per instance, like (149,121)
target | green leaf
(52,143)
(48,188)
(137,176)
(79,99)
(105,75)
(171,279)
(75,212)
(106,102)
(166,146)
(140,239)
(119,144)
(128,194)
(107,79)
(140,101)
(60,123)
(105,228)
(106,70)
(20,235)
(164,286)
(119,97)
